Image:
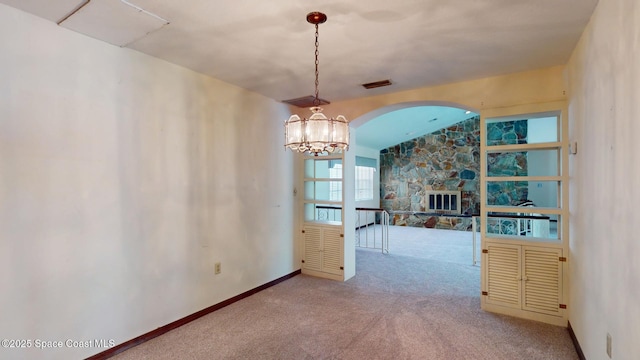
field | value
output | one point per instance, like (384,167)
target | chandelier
(317,134)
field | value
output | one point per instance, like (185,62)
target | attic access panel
(117,22)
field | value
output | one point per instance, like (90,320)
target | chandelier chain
(316,101)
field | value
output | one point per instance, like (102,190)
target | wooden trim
(497,209)
(576,344)
(368,208)
(524,178)
(524,147)
(187,319)
(365,225)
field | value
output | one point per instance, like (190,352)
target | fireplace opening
(443,201)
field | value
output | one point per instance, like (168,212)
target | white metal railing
(374,233)
(474,229)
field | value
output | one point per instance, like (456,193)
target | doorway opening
(427,167)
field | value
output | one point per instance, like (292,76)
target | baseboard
(576,344)
(166,328)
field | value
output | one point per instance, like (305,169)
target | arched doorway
(427,165)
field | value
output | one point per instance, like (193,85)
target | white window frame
(364,182)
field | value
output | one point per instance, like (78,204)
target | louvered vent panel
(542,272)
(312,254)
(332,251)
(503,275)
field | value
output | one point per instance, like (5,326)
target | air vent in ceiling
(305,101)
(377,84)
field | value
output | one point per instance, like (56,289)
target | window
(365,169)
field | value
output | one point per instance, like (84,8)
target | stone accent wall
(449,159)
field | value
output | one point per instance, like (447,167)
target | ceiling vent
(377,84)
(306,101)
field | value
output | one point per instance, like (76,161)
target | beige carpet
(397,307)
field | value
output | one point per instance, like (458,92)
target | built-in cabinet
(525,278)
(524,212)
(322,229)
(323,250)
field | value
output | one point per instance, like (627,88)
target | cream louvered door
(312,248)
(542,276)
(332,251)
(323,249)
(503,275)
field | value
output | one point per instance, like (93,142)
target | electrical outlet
(609,345)
(217,268)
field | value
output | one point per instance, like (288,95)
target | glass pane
(523,193)
(309,190)
(329,169)
(523,225)
(523,163)
(335,169)
(319,212)
(323,190)
(522,131)
(323,168)
(309,167)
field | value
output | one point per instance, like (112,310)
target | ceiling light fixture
(318,134)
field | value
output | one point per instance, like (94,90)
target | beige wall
(538,86)
(604,78)
(123,179)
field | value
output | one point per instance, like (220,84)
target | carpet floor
(408,304)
